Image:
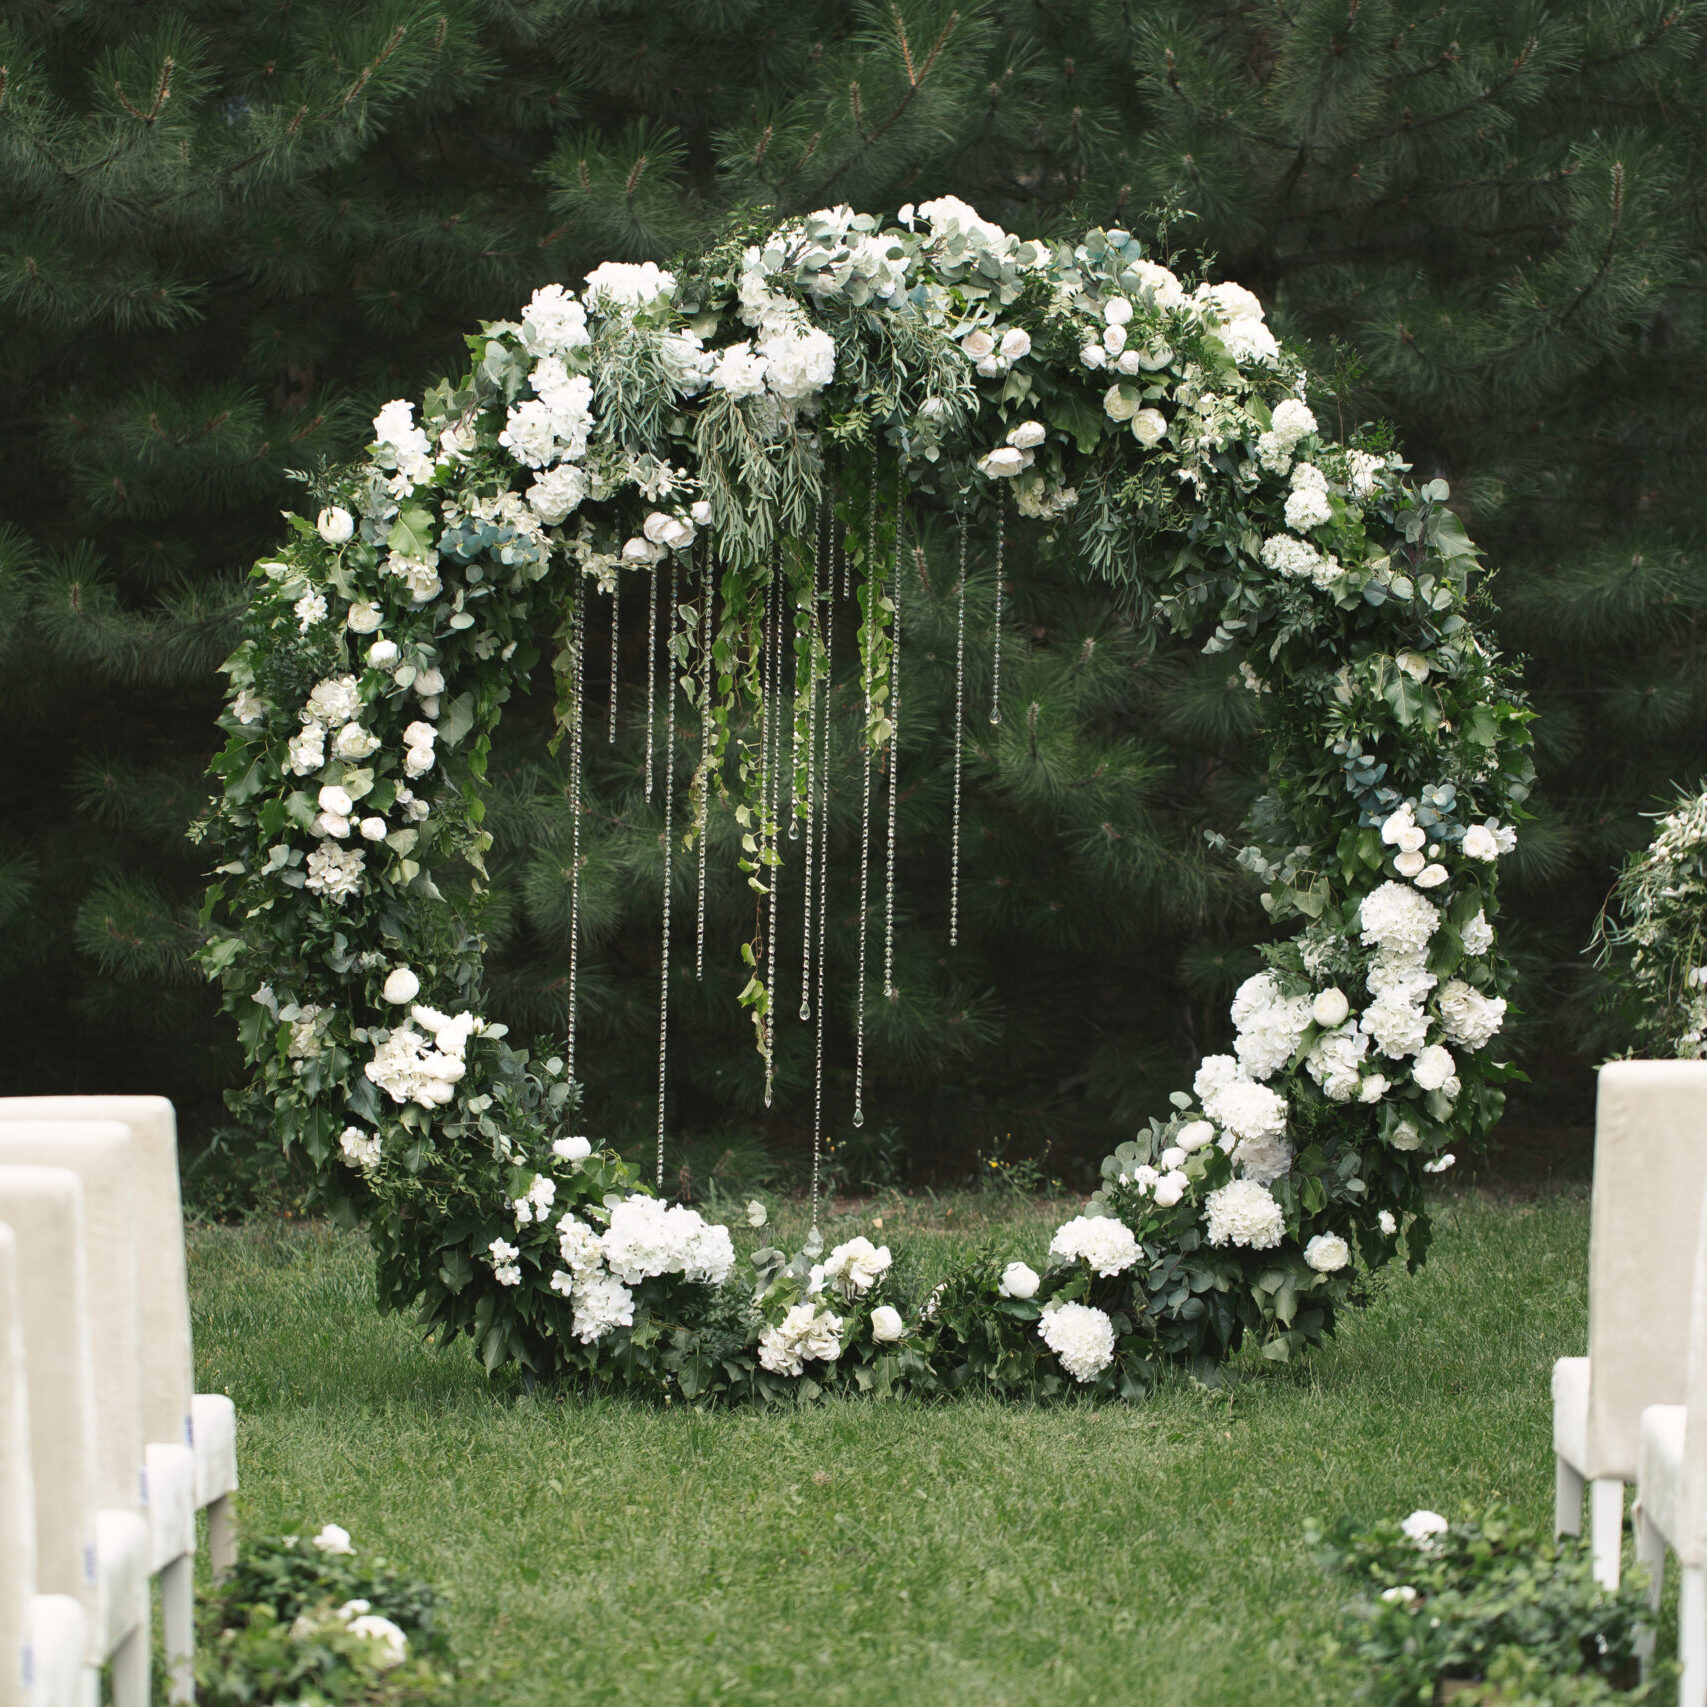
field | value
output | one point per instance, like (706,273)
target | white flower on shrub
(1422,1529)
(335,872)
(580,1248)
(361,1149)
(401,986)
(536,1203)
(1433,1069)
(854,1268)
(362,618)
(557,492)
(886,1325)
(505,1269)
(1244,1212)
(1105,1245)
(1149,427)
(334,1539)
(1478,935)
(1195,1135)
(799,361)
(1080,1335)
(572,1149)
(1405,1136)
(1019,1280)
(1270,1026)
(554,322)
(308,610)
(1401,830)
(1387,1222)
(418,748)
(334,700)
(601,1303)
(648,1237)
(392,1644)
(1431,876)
(1335,1061)
(308,750)
(408,1070)
(1469,1018)
(619,285)
(1327,1253)
(1163,286)
(1396,919)
(1307,504)
(1372,1087)
(1330,1008)
(1170,1188)
(1440,1164)
(335,525)
(1298,560)
(806,1333)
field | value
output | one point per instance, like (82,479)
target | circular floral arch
(836,378)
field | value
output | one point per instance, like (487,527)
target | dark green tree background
(230,232)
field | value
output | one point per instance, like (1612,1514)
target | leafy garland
(704,421)
(1655,934)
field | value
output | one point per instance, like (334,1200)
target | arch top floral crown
(706,430)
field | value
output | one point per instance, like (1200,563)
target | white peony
(362,618)
(1431,876)
(1170,1188)
(886,1325)
(1003,463)
(1327,1253)
(1243,1212)
(1335,1062)
(1469,1018)
(1118,403)
(1107,1246)
(1195,1135)
(1394,917)
(1028,435)
(354,743)
(333,701)
(1019,1280)
(1330,1008)
(1080,1335)
(854,1268)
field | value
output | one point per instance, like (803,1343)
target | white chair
(172,1409)
(1650,1167)
(1671,1494)
(96,1553)
(42,1636)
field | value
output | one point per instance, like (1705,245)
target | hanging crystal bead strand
(996,642)
(768,791)
(664,956)
(812,631)
(823,819)
(615,647)
(869,613)
(708,676)
(651,667)
(959,739)
(894,747)
(577,701)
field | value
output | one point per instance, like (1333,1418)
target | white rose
(1093,355)
(1405,1136)
(1411,839)
(1118,405)
(1372,1088)
(1114,340)
(1330,1008)
(1421,1527)
(1173,1157)
(372,829)
(1131,361)
(701,513)
(1431,876)
(574,1149)
(333,824)
(886,1325)
(382,654)
(1003,464)
(1116,311)
(1479,843)
(1019,1280)
(1195,1135)
(1433,1067)
(1386,1222)
(1410,864)
(334,1539)
(336,525)
(1149,427)
(1154,356)
(430,682)
(335,798)
(978,344)
(362,618)
(420,735)
(1015,343)
(402,987)
(1327,1253)
(354,742)
(1170,1188)
(1027,435)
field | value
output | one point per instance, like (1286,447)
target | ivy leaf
(412,533)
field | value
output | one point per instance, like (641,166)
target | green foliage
(1508,1609)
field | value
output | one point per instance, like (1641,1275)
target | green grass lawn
(972,1553)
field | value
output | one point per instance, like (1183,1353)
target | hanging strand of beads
(959,738)
(813,627)
(894,744)
(868,613)
(771,644)
(823,818)
(996,643)
(702,806)
(651,667)
(664,954)
(576,699)
(615,647)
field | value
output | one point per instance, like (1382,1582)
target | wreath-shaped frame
(709,423)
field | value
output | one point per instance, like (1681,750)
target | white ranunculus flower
(1094,356)
(1170,1188)
(978,344)
(1114,340)
(363,618)
(1116,311)
(1327,1253)
(1149,427)
(334,1538)
(1330,1008)
(1372,1087)
(1028,435)
(334,797)
(401,986)
(336,525)
(1118,404)
(572,1149)
(886,1325)
(1431,877)
(1019,1280)
(1410,864)
(1479,843)
(1016,342)
(372,829)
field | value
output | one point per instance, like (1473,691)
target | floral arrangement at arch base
(706,422)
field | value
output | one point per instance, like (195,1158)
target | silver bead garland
(651,666)
(959,738)
(702,806)
(575,686)
(664,956)
(996,642)
(894,747)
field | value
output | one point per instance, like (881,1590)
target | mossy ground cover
(971,1552)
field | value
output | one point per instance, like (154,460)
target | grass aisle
(974,1554)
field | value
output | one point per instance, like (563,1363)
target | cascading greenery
(761,433)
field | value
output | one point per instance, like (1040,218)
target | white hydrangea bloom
(1398,1025)
(554,322)
(335,872)
(854,1268)
(334,701)
(949,217)
(1467,1017)
(647,1237)
(1298,560)
(558,492)
(1243,1212)
(505,1268)
(1397,919)
(1163,286)
(535,1204)
(619,285)
(1080,1335)
(1364,471)
(1104,1244)
(601,1302)
(800,361)
(1478,935)
(1270,1026)
(1307,505)
(309,609)
(308,750)
(361,1149)
(579,1246)
(739,370)
(805,1333)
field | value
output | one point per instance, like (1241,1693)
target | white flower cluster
(361,1149)
(1270,1026)
(1080,1335)
(1244,1212)
(1105,1245)
(408,1069)
(648,1237)
(1251,1116)
(1397,920)
(601,1302)
(535,1204)
(506,1269)
(1242,326)
(1467,1017)
(805,1334)
(1307,505)
(1290,422)
(1299,560)
(851,1270)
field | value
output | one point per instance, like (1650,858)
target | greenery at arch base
(701,424)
